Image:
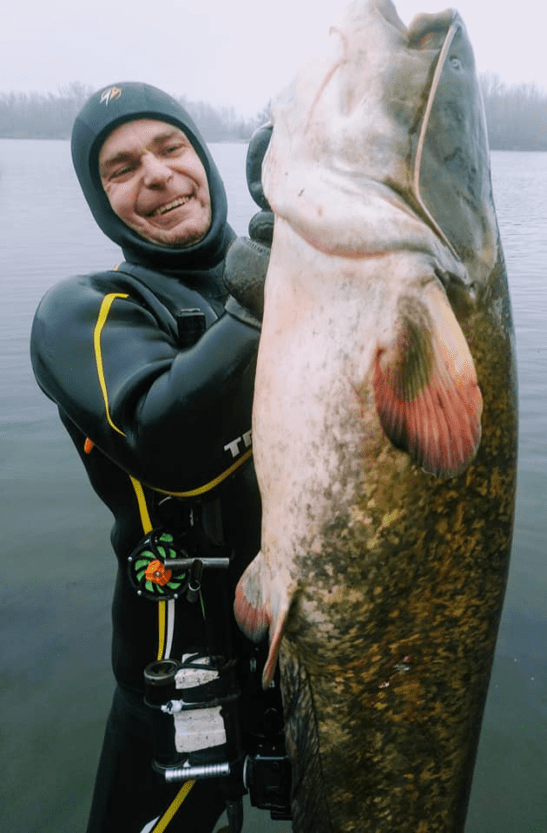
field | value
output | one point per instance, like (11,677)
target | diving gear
(198,704)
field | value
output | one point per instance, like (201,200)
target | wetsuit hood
(108,109)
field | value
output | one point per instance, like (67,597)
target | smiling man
(156,182)
(151,364)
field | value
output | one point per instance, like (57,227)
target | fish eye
(455,63)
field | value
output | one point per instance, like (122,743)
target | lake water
(57,568)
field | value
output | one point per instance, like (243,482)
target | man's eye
(174,148)
(121,172)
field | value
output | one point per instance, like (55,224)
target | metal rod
(193,773)
(186,563)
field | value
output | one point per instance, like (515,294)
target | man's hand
(245,272)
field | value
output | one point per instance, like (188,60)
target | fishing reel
(165,566)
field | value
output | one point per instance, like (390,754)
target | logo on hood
(110,95)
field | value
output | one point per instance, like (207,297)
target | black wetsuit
(155,410)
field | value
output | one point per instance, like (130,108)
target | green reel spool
(149,570)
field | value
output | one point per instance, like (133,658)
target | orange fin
(252,615)
(259,612)
(425,386)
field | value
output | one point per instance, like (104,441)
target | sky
(238,53)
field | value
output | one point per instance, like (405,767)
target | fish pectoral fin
(259,611)
(251,612)
(277,628)
(425,386)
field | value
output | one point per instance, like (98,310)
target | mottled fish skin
(387,343)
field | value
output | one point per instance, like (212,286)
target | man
(152,367)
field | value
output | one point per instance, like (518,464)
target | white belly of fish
(311,428)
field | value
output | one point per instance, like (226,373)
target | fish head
(380,143)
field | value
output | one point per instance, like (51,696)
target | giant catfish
(384,426)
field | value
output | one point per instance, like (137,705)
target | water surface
(57,567)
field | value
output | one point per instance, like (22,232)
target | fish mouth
(160,210)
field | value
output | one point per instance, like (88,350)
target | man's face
(156,183)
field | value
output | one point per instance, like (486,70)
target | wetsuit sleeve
(176,419)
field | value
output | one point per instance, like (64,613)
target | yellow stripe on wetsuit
(107,302)
(146,528)
(146,523)
(201,490)
(171,811)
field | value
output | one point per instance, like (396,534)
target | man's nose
(155,170)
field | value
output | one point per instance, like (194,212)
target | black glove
(244,275)
(247,259)
(261,224)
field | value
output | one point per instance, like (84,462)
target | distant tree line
(51,116)
(516,115)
